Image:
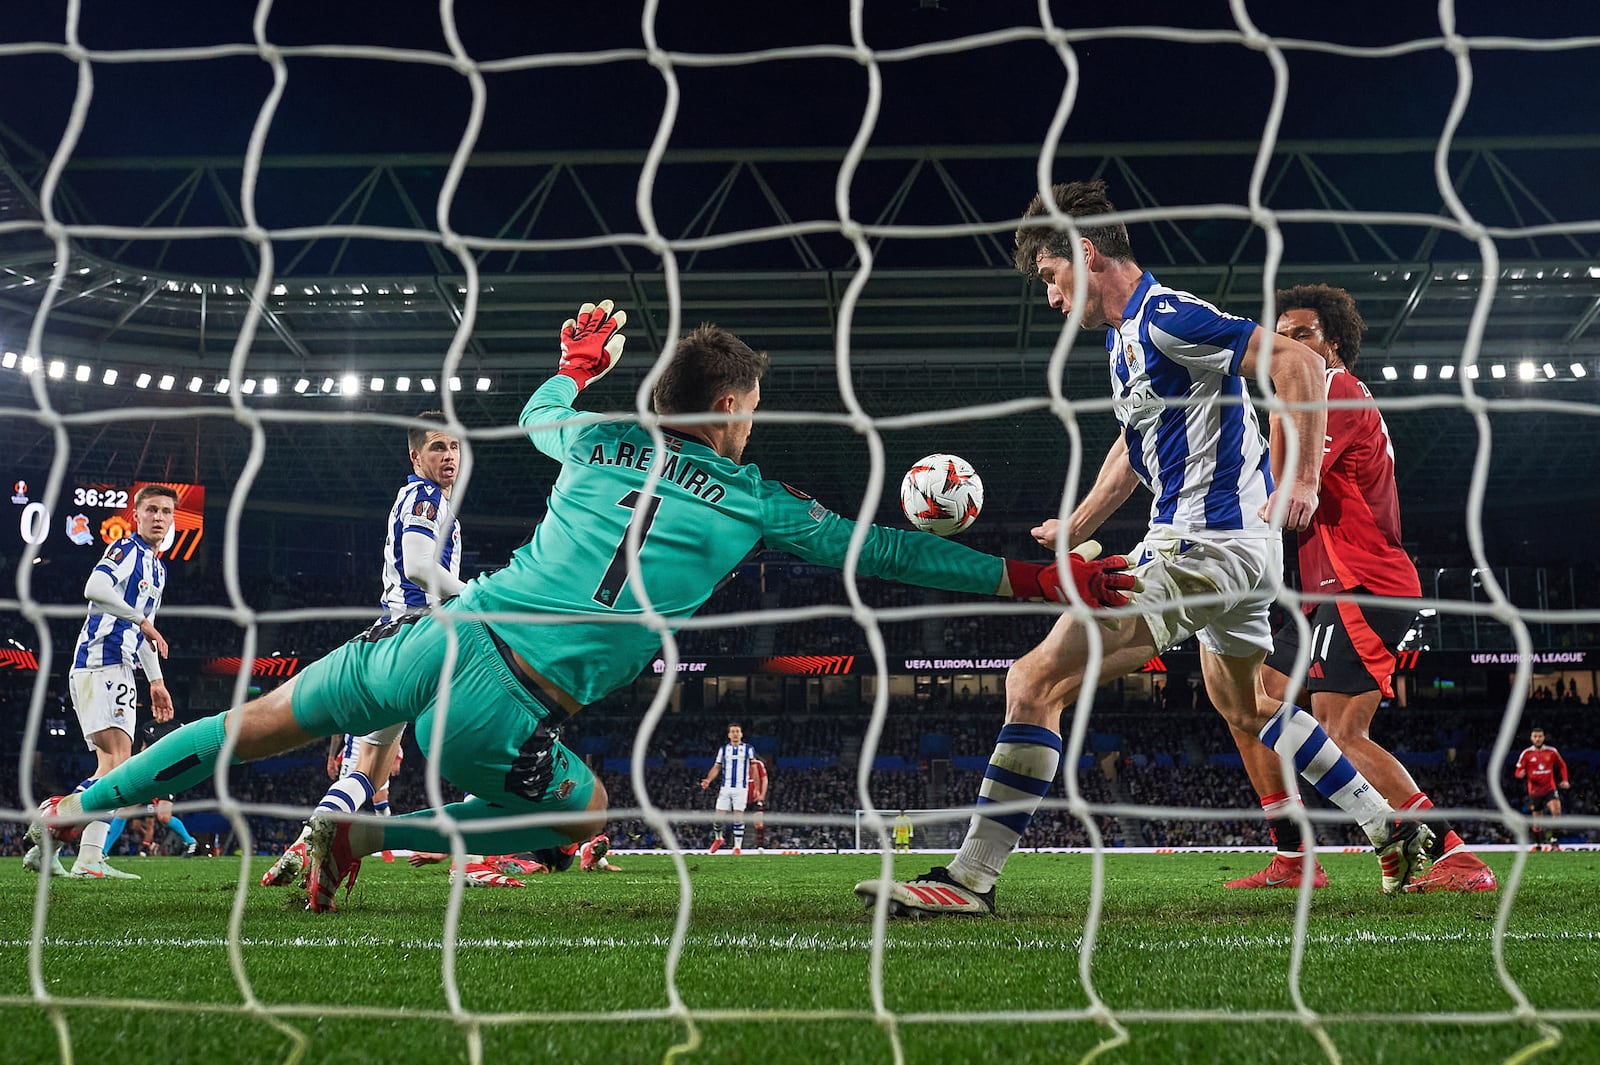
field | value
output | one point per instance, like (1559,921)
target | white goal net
(242,250)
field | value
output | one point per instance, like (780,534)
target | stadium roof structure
(940,316)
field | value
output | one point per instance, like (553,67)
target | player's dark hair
(417,436)
(735,724)
(1335,308)
(1076,199)
(708,363)
(155,490)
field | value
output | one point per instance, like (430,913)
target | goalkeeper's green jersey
(707,515)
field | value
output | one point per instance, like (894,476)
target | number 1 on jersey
(617,573)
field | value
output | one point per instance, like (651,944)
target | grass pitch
(573,968)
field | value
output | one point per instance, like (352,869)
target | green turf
(786,935)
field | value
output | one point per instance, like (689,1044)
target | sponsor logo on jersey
(792,490)
(564,789)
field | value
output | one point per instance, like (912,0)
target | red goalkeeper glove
(591,343)
(1101,582)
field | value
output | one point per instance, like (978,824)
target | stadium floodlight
(1472,372)
(269,386)
(1419,372)
(81,373)
(427,384)
(349,384)
(166,382)
(143,380)
(1497,371)
(1447,371)
(194,384)
(455,384)
(58,369)
(1549,370)
(327,385)
(1391,374)
(1578,369)
(1526,370)
(402,384)
(30,363)
(223,384)
(8,360)
(376,384)
(483,384)
(301,385)
(249,386)
(110,376)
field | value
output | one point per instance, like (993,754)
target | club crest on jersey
(424,509)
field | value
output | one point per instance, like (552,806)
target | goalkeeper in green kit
(563,624)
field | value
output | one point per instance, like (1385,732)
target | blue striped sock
(1025,761)
(114,833)
(348,795)
(1320,761)
(177,825)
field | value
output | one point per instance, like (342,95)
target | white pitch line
(798,942)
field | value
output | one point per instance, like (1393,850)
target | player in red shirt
(758,800)
(1539,765)
(1353,545)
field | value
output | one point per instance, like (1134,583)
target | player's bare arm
(160,701)
(1112,487)
(1297,378)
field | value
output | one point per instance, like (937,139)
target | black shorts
(1541,802)
(1352,646)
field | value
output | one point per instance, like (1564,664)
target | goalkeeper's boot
(482,874)
(557,859)
(933,894)
(290,864)
(1283,871)
(64,833)
(33,861)
(1403,854)
(1459,871)
(591,852)
(101,870)
(331,862)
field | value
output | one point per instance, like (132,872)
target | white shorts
(1238,576)
(384,736)
(732,798)
(104,698)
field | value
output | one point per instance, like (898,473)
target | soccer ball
(942,494)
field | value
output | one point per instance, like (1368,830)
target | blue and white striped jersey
(139,577)
(734,758)
(420,509)
(1204,459)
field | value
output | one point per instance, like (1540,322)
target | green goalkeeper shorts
(501,741)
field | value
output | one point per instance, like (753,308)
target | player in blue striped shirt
(733,764)
(1211,562)
(421,569)
(124,591)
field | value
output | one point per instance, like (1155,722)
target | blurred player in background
(1351,546)
(157,813)
(512,685)
(124,591)
(421,568)
(1539,766)
(733,765)
(1206,465)
(759,783)
(903,831)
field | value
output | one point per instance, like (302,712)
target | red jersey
(1539,765)
(758,781)
(1354,537)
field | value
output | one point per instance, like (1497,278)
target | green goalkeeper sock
(412,832)
(177,761)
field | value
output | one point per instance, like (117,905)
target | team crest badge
(423,509)
(78,529)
